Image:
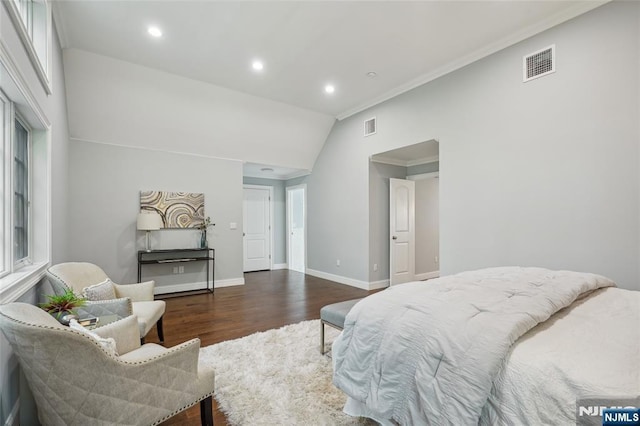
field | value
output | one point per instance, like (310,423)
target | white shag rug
(278,377)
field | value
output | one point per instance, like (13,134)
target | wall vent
(370,126)
(540,63)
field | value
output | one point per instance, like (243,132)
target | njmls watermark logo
(608,411)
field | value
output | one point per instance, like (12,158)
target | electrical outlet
(436,259)
(175,269)
(181,269)
(375,267)
(337,262)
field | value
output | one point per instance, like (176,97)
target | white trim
(176,288)
(23,33)
(229,282)
(423,160)
(277,266)
(292,175)
(374,285)
(423,176)
(287,190)
(14,285)
(271,221)
(427,275)
(13,419)
(523,34)
(9,64)
(153,149)
(364,285)
(402,163)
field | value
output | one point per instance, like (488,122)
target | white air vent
(370,126)
(539,63)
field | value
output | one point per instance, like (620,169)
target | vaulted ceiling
(305,45)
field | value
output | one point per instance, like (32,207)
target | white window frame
(16,282)
(40,27)
(25,261)
(5,219)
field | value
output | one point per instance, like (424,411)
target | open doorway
(296,227)
(418,163)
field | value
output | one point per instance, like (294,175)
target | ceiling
(266,171)
(307,44)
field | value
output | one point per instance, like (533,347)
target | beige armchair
(75,381)
(130,299)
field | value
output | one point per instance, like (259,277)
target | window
(17,175)
(25,184)
(21,173)
(32,19)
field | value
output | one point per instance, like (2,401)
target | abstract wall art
(177,209)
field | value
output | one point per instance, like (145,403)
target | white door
(257,232)
(402,231)
(296,224)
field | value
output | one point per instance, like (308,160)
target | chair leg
(321,337)
(206,411)
(160,330)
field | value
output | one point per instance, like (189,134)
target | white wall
(541,173)
(105,185)
(117,102)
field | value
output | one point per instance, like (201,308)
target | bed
(497,346)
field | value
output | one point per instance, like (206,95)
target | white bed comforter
(428,353)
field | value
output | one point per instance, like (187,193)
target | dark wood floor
(269,299)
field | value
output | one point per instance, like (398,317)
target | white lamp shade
(149,221)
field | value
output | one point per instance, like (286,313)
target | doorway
(296,228)
(419,163)
(257,238)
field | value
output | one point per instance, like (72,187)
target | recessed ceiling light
(372,74)
(154,31)
(257,65)
(329,88)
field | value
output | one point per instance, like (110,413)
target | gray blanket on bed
(428,352)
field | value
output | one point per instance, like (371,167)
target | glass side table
(99,321)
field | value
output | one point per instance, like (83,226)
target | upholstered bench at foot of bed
(334,315)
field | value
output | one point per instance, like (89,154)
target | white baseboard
(364,285)
(427,275)
(229,282)
(175,288)
(12,419)
(374,285)
(279,266)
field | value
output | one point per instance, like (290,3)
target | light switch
(233,225)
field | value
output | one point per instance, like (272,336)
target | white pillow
(101,291)
(108,343)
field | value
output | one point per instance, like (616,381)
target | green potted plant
(62,307)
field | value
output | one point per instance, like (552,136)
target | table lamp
(149,221)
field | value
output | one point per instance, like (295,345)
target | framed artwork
(177,209)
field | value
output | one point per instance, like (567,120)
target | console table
(156,257)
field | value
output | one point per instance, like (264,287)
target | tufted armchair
(76,381)
(130,299)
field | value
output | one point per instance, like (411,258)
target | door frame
(288,189)
(271,220)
